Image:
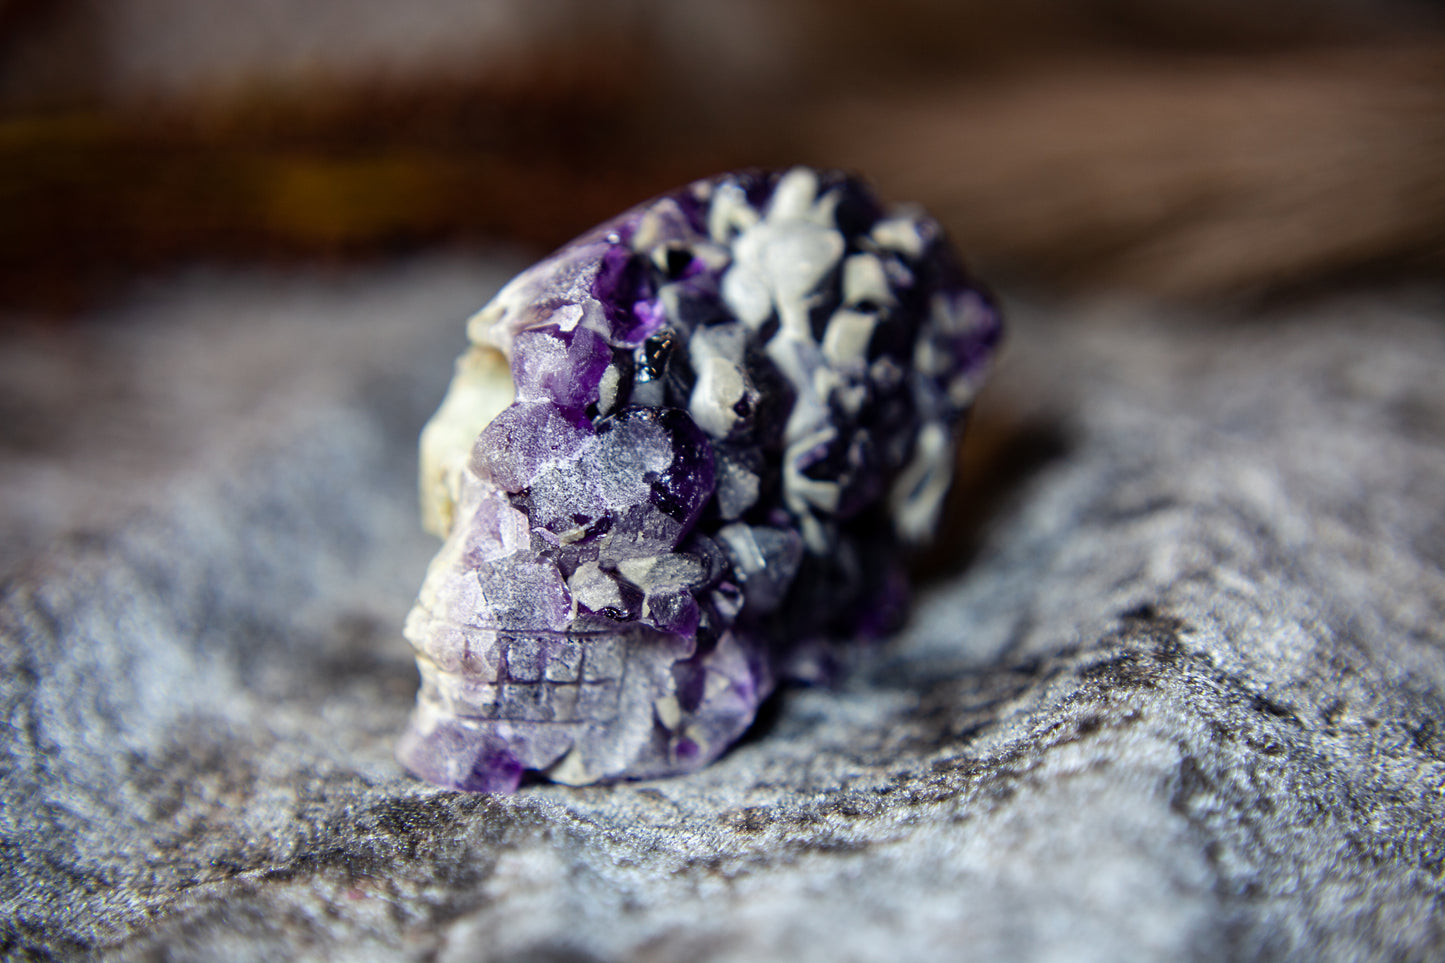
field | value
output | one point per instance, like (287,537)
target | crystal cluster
(677,463)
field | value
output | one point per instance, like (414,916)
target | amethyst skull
(678,462)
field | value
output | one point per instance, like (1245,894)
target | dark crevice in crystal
(654,355)
(678,260)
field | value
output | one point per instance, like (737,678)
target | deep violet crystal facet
(678,462)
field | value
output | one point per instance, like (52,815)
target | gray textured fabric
(1177,698)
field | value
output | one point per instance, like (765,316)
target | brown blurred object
(89,196)
(100,183)
(1176,178)
(1179,148)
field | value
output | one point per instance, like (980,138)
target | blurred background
(1167,149)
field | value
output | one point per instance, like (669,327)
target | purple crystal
(728,409)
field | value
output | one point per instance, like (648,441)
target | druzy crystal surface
(678,463)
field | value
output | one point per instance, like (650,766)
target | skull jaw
(669,711)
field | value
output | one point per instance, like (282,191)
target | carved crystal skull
(676,463)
